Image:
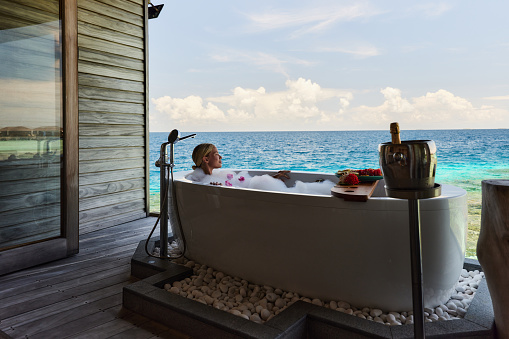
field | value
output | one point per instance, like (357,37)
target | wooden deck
(80,296)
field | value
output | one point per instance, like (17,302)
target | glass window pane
(30,122)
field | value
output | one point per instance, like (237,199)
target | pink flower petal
(227,183)
(241,178)
(229,176)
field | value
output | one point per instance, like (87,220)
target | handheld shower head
(174,136)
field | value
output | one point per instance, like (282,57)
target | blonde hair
(200,151)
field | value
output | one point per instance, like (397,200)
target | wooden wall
(112,112)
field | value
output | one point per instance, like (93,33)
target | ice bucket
(410,165)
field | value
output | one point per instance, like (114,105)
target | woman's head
(206,157)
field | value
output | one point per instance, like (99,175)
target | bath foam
(265,182)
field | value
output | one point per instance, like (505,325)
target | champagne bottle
(395,133)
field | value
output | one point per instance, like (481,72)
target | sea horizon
(352,130)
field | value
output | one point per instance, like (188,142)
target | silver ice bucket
(410,165)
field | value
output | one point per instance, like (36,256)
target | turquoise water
(465,157)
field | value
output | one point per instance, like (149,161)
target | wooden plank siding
(112,112)
(80,296)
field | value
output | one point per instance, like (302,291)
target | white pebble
(271,297)
(280,303)
(451,306)
(265,314)
(260,303)
(256,318)
(395,314)
(458,303)
(344,305)
(317,302)
(461,311)
(223,287)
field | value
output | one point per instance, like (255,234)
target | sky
(328,65)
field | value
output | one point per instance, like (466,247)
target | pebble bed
(261,303)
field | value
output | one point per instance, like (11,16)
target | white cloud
(310,19)
(260,60)
(434,110)
(362,51)
(188,111)
(305,105)
(432,9)
(499,97)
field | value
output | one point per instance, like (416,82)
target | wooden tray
(359,192)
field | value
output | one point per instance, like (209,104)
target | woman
(206,158)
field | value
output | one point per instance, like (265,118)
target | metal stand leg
(415,257)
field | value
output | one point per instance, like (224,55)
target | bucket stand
(413,197)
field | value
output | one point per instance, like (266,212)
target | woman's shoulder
(196,175)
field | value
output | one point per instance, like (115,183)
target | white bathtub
(322,246)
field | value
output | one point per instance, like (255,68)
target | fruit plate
(369,178)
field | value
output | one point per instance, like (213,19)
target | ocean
(465,157)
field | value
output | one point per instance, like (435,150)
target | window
(34,124)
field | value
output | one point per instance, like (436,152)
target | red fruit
(378,172)
(351,179)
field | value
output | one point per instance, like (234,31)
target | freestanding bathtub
(322,246)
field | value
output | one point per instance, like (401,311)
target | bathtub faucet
(168,199)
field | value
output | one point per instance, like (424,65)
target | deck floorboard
(80,296)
